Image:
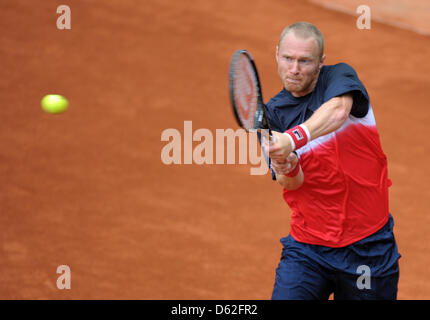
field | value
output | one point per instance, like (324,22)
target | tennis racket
(245,93)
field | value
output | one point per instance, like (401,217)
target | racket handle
(272,138)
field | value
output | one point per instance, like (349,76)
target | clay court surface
(88,189)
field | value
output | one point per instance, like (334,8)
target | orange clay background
(87,188)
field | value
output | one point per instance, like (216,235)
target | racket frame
(260,116)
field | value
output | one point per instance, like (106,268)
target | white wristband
(307,131)
(293,144)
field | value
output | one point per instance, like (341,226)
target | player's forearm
(330,116)
(291,183)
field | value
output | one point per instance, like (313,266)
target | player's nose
(294,67)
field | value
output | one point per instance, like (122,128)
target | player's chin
(293,87)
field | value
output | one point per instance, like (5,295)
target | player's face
(299,64)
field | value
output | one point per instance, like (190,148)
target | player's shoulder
(341,67)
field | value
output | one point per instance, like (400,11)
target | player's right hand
(285,166)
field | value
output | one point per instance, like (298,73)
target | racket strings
(246,92)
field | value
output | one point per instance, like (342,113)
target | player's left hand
(280,147)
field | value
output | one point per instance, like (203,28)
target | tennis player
(328,159)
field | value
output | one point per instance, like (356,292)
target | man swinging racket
(327,156)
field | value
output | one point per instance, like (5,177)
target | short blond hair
(305,30)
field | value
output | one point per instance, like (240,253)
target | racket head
(245,92)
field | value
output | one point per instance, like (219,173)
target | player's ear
(322,61)
(276,54)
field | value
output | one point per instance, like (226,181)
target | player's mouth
(293,80)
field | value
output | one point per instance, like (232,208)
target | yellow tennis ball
(54,103)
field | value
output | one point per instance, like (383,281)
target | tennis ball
(54,103)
